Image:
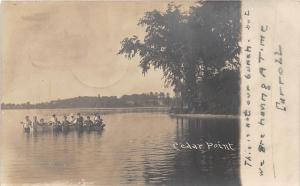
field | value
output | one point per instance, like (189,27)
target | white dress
(27,124)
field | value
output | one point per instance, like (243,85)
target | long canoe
(63,128)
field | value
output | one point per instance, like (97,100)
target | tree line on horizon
(198,53)
(152,99)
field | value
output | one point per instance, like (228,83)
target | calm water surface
(134,149)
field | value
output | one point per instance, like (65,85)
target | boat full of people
(70,123)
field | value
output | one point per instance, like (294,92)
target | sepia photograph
(120,93)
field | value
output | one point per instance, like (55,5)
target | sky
(56,50)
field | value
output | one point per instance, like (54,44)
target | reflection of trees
(195,167)
(194,50)
(211,167)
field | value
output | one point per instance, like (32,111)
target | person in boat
(55,122)
(72,120)
(97,120)
(65,121)
(88,122)
(53,119)
(79,120)
(35,122)
(42,122)
(26,124)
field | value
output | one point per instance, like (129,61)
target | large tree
(163,45)
(189,48)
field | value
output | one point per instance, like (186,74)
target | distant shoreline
(206,116)
(103,108)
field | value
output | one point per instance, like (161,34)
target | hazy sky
(68,49)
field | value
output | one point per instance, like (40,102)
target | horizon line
(59,99)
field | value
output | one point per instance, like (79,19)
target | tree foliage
(161,47)
(190,48)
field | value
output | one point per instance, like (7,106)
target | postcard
(172,93)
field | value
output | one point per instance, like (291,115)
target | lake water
(134,149)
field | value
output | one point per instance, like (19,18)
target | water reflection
(134,149)
(212,167)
